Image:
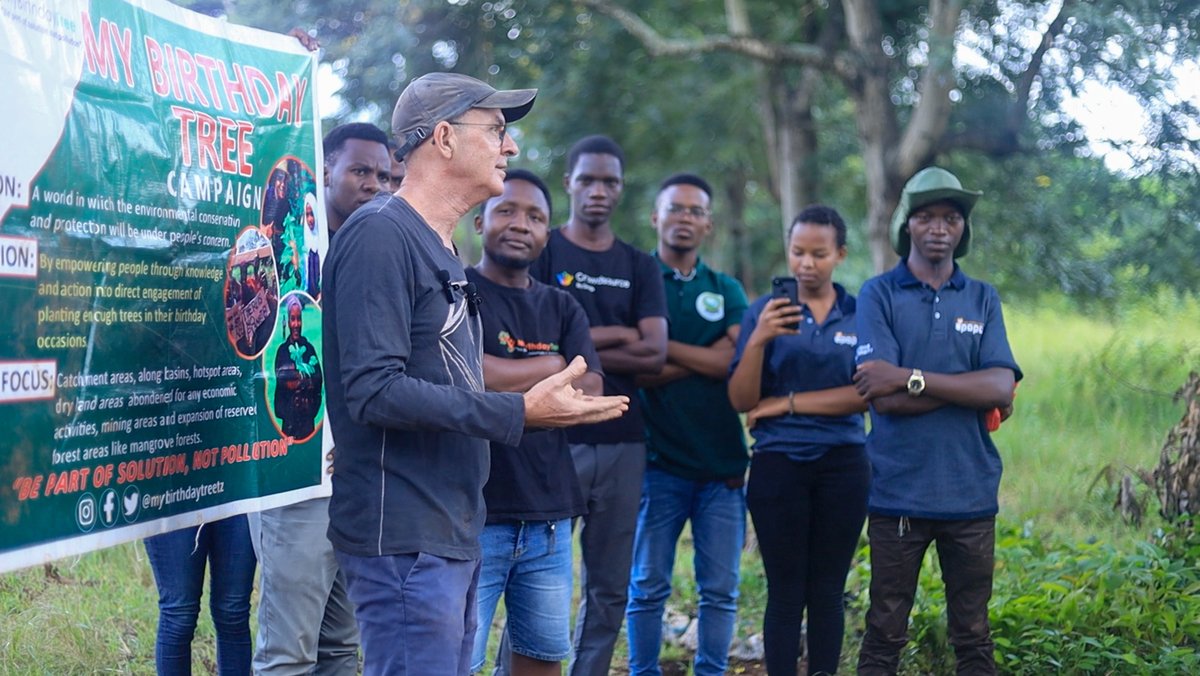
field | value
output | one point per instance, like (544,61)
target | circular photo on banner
(289,222)
(295,379)
(251,294)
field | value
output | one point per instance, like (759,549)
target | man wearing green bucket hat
(932,359)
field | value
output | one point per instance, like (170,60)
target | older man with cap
(933,359)
(406,399)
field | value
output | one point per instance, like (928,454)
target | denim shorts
(530,563)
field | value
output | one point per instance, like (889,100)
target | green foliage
(1053,219)
(1059,607)
(1069,225)
(1091,608)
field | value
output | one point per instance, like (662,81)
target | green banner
(161,237)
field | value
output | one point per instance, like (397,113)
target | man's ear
(479,222)
(442,137)
(326,174)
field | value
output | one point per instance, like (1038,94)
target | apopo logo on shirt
(968,326)
(586,282)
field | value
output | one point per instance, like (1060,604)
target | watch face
(916,384)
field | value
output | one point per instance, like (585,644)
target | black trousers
(966,551)
(808,517)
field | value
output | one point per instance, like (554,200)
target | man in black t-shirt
(530,331)
(621,290)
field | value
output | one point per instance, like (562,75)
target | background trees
(784,103)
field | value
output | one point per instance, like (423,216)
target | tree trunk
(739,234)
(876,120)
(890,157)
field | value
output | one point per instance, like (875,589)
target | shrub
(1069,608)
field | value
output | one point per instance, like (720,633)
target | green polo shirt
(692,430)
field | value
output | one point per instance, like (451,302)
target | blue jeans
(718,515)
(530,563)
(178,559)
(415,612)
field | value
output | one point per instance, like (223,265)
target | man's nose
(373,184)
(508,147)
(521,223)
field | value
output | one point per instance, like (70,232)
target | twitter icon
(131,503)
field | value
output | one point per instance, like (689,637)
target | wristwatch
(916,383)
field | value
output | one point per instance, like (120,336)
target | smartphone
(785,287)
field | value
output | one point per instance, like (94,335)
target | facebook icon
(108,508)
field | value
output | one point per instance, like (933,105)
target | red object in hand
(992,417)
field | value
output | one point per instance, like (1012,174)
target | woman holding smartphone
(809,475)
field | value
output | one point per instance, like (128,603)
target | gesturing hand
(554,402)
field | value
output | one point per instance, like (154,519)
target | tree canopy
(785,103)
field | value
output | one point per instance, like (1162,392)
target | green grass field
(1096,400)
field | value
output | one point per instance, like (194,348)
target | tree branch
(1017,112)
(931,115)
(656,44)
(1004,139)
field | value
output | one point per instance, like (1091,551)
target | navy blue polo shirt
(820,357)
(941,464)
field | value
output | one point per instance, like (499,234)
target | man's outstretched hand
(554,402)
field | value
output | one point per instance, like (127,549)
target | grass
(1095,401)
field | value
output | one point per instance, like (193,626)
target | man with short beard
(530,331)
(406,397)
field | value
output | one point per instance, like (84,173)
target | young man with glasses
(695,449)
(406,397)
(933,359)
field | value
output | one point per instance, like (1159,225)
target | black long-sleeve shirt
(406,401)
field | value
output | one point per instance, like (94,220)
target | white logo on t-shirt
(711,306)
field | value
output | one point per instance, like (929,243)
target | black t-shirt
(617,287)
(535,480)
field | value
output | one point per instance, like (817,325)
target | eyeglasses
(925,218)
(697,212)
(499,129)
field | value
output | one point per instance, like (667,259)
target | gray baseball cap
(438,97)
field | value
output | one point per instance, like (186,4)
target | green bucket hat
(932,184)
